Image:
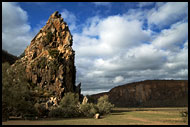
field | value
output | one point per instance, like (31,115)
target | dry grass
(119,116)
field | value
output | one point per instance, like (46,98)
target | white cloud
(118,79)
(105,37)
(172,38)
(16,33)
(118,45)
(168,13)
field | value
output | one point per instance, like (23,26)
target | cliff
(149,93)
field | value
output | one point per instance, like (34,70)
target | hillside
(7,57)
(149,93)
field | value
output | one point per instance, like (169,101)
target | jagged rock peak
(55,34)
(49,59)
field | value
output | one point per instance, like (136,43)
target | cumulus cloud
(172,38)
(105,37)
(117,49)
(168,13)
(16,33)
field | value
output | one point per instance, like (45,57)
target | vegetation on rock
(48,38)
(42,62)
(54,53)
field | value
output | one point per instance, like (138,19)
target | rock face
(49,59)
(150,93)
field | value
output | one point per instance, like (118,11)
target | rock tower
(49,59)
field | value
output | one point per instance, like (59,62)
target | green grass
(119,116)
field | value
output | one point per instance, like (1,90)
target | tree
(16,95)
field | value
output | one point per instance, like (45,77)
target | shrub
(41,109)
(88,109)
(103,105)
(56,113)
(69,104)
(69,100)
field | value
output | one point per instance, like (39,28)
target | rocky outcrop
(97,116)
(49,60)
(149,93)
(85,100)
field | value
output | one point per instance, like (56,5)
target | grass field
(119,116)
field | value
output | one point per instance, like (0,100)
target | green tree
(5,92)
(16,95)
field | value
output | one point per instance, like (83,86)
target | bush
(56,113)
(103,105)
(88,109)
(69,100)
(41,109)
(69,107)
(69,104)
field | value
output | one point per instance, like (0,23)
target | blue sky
(115,43)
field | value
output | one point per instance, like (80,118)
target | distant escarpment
(149,93)
(49,61)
